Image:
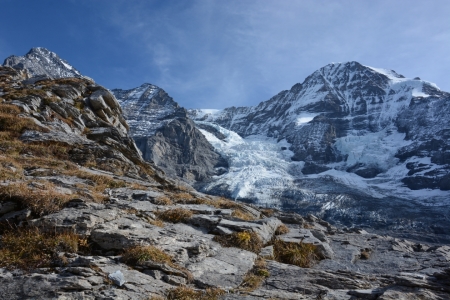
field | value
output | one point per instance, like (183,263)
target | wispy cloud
(220,53)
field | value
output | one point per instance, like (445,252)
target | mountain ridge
(41,62)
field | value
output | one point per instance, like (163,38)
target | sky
(217,53)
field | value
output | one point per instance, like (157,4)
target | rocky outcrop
(77,114)
(166,136)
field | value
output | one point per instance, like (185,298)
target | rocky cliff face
(166,136)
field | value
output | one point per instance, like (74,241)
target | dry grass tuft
(30,248)
(253,278)
(282,229)
(184,198)
(175,215)
(365,253)
(299,254)
(9,109)
(242,214)
(187,293)
(16,124)
(156,297)
(247,240)
(162,200)
(156,222)
(268,212)
(139,254)
(43,199)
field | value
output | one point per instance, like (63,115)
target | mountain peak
(40,61)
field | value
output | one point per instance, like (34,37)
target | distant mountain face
(348,132)
(166,136)
(42,62)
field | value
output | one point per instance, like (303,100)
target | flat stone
(306,237)
(225,270)
(265,228)
(117,277)
(267,252)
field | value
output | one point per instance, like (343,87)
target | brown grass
(183,197)
(30,248)
(156,222)
(365,254)
(238,210)
(247,240)
(101,181)
(255,277)
(268,212)
(162,200)
(299,254)
(187,293)
(42,200)
(282,229)
(16,124)
(139,254)
(175,215)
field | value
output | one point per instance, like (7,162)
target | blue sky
(215,54)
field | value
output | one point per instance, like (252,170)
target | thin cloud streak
(215,54)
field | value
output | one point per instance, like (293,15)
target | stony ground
(82,216)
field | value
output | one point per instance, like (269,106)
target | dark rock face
(42,63)
(181,150)
(166,136)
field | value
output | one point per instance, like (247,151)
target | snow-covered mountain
(347,133)
(41,62)
(147,108)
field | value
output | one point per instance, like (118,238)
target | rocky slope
(84,217)
(166,135)
(350,140)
